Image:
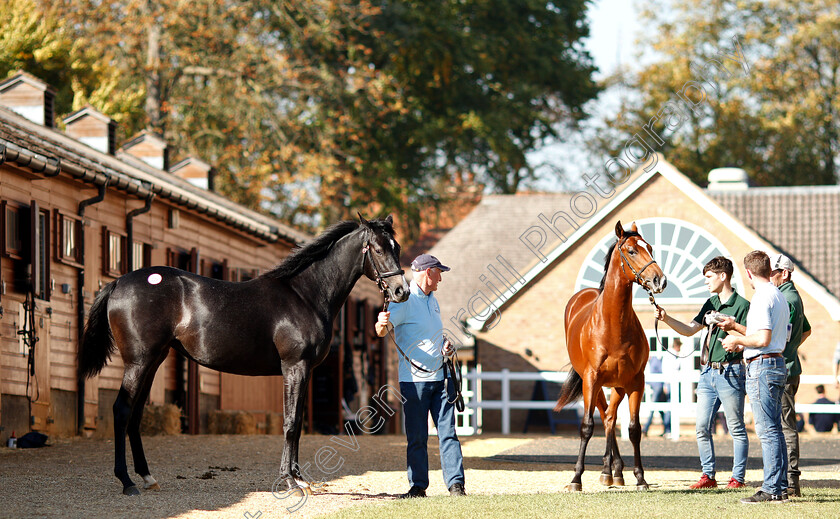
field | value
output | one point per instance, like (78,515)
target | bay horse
(279,323)
(608,348)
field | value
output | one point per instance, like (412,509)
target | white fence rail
(681,405)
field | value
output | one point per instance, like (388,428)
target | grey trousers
(789,427)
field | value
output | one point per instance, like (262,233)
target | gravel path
(232,476)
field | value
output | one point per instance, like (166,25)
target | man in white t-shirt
(762,342)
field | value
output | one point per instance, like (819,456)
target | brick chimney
(93,128)
(29,97)
(196,172)
(149,148)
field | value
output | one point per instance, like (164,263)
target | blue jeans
(423,398)
(765,385)
(713,390)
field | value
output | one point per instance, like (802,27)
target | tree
(38,42)
(451,89)
(314,110)
(774,114)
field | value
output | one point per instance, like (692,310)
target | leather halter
(380,276)
(448,365)
(638,280)
(638,275)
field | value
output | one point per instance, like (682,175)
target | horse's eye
(631,252)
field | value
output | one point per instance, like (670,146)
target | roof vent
(728,179)
(29,97)
(149,148)
(93,128)
(196,172)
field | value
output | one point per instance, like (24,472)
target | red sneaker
(705,482)
(734,483)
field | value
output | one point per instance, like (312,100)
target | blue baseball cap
(427,261)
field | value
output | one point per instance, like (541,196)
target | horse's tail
(571,391)
(98,342)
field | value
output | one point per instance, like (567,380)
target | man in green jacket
(798,330)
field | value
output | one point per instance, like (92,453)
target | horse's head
(382,259)
(637,255)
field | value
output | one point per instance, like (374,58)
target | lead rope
(638,277)
(448,364)
(656,330)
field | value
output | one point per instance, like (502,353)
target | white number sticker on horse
(154,279)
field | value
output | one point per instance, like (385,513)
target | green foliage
(37,41)
(778,121)
(314,110)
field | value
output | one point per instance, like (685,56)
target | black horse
(280,323)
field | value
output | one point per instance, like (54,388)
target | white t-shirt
(768,311)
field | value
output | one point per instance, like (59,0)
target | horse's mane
(627,234)
(317,249)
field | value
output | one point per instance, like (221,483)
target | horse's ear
(362,219)
(619,230)
(634,228)
(390,220)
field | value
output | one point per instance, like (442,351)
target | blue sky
(613,27)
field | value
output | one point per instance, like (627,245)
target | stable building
(528,254)
(76,212)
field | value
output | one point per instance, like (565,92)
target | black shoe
(763,497)
(412,493)
(457,489)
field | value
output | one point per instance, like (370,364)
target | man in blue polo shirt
(762,342)
(419,334)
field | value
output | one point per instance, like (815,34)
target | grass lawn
(819,503)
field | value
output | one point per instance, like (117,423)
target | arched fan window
(680,248)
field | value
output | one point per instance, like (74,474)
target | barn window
(69,247)
(214,269)
(113,253)
(40,257)
(141,255)
(26,239)
(12,243)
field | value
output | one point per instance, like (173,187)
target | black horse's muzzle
(400,292)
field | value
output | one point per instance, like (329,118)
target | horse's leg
(126,398)
(609,425)
(606,474)
(295,380)
(140,464)
(636,436)
(586,427)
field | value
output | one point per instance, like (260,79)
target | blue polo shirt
(419,332)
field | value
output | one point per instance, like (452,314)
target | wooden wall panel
(251,393)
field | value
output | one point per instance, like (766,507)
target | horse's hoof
(153,487)
(643,486)
(131,491)
(606,480)
(574,487)
(619,482)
